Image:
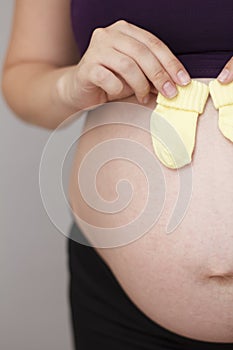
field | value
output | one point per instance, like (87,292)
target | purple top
(199,32)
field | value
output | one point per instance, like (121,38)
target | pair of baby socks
(173,123)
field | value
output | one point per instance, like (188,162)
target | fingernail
(169,89)
(183,77)
(145,99)
(223,75)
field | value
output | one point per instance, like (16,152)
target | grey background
(34,311)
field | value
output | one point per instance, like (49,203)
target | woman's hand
(122,60)
(226,75)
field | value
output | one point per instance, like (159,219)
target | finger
(128,69)
(226,75)
(173,66)
(105,79)
(144,58)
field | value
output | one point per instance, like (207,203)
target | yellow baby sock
(222,96)
(173,124)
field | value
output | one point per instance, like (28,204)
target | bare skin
(183,281)
(44,82)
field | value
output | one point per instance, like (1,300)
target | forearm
(31,90)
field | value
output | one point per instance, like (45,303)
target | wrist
(65,90)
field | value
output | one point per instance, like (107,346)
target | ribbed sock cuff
(222,95)
(192,97)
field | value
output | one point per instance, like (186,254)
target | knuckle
(116,89)
(154,42)
(99,32)
(121,23)
(100,75)
(126,64)
(140,49)
(173,63)
(159,75)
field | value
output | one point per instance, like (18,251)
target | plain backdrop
(34,309)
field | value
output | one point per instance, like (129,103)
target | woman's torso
(183,281)
(198,32)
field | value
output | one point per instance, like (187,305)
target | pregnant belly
(182,280)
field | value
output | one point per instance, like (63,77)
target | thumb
(226,75)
